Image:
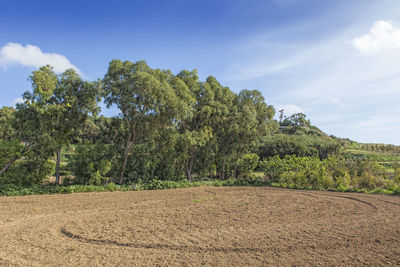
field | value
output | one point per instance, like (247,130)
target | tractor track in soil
(210,226)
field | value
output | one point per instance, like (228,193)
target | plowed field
(201,226)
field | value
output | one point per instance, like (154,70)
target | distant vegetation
(173,130)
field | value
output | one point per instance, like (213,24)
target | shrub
(343,181)
(67,181)
(282,145)
(241,182)
(229,182)
(90,164)
(326,181)
(367,180)
(27,172)
(111,187)
(292,178)
(274,167)
(247,164)
(155,185)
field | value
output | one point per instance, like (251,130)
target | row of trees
(169,126)
(380,148)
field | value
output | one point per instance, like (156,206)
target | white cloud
(17,100)
(289,109)
(32,56)
(382,36)
(343,92)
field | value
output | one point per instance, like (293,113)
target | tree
(219,114)
(147,100)
(251,121)
(194,130)
(27,134)
(64,102)
(297,119)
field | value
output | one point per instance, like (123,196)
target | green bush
(247,164)
(283,144)
(155,185)
(27,172)
(330,173)
(367,180)
(343,181)
(326,181)
(111,187)
(90,164)
(67,181)
(241,182)
(292,178)
(274,167)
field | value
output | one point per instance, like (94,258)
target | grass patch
(199,200)
(13,190)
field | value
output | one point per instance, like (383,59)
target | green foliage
(299,145)
(56,110)
(343,181)
(274,167)
(283,145)
(330,173)
(385,148)
(325,146)
(44,81)
(387,156)
(148,99)
(396,172)
(17,190)
(247,164)
(7,130)
(172,131)
(9,150)
(172,126)
(27,172)
(298,119)
(90,164)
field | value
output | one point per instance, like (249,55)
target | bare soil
(201,226)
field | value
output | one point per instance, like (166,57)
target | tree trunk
(129,144)
(189,169)
(121,174)
(58,166)
(223,170)
(8,164)
(235,170)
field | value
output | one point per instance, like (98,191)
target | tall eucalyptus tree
(148,100)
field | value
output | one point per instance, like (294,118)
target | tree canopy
(168,127)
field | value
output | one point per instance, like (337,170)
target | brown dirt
(201,226)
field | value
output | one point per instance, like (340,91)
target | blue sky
(338,61)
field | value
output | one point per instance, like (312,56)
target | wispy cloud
(331,79)
(32,56)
